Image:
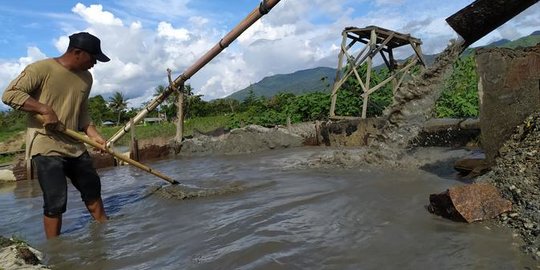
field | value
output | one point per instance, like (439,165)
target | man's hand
(94,135)
(49,116)
(46,113)
(99,140)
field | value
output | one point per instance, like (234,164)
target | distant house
(107,123)
(152,120)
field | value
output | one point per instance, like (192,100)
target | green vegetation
(11,123)
(459,98)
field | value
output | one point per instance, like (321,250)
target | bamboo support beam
(373,47)
(381,84)
(338,75)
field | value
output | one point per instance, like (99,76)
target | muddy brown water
(282,218)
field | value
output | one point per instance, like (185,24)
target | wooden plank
(338,75)
(345,117)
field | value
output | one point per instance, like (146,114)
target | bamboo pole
(180,109)
(264,7)
(130,161)
(373,46)
(134,144)
(80,137)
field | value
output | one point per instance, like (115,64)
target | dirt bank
(18,255)
(14,143)
(517,174)
(243,140)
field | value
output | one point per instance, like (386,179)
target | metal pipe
(264,7)
(483,16)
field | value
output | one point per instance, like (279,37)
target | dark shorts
(52,172)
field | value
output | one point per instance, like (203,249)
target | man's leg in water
(84,177)
(97,210)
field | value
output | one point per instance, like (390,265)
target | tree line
(459,99)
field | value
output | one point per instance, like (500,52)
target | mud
(243,140)
(181,192)
(14,143)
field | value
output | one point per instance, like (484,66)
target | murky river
(359,218)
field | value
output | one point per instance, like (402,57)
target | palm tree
(167,107)
(118,104)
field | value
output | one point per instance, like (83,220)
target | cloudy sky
(145,37)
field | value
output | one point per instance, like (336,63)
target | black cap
(88,43)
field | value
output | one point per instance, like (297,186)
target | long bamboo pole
(137,164)
(80,137)
(264,7)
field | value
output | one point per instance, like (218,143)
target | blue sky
(145,37)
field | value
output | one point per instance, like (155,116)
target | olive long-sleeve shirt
(66,92)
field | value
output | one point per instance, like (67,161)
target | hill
(527,41)
(299,82)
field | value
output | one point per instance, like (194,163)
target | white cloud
(261,31)
(94,14)
(166,30)
(199,21)
(135,26)
(10,69)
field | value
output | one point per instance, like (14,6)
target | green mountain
(527,41)
(299,82)
(530,40)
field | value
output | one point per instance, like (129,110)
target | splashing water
(413,106)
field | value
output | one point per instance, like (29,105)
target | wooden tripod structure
(377,40)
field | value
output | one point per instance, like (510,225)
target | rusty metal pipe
(264,7)
(483,16)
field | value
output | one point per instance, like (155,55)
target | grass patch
(168,130)
(165,130)
(7,134)
(141,132)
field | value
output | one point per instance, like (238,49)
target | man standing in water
(57,89)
